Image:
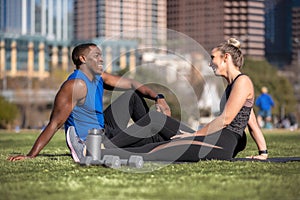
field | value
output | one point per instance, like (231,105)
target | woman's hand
(183,134)
(259,157)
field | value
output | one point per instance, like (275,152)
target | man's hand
(163,107)
(18,157)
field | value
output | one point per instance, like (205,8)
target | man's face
(94,60)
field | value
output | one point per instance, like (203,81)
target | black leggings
(150,135)
(148,127)
(187,149)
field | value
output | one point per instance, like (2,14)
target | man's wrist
(29,155)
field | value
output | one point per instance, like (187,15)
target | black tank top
(240,121)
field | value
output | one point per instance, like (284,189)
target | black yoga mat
(276,159)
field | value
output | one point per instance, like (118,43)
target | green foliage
(8,114)
(53,174)
(280,88)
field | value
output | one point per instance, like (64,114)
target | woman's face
(217,62)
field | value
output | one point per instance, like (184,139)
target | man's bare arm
(71,92)
(112,81)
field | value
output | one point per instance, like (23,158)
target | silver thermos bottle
(93,143)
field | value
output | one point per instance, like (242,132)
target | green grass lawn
(54,175)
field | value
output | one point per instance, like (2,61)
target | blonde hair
(233,47)
(234,42)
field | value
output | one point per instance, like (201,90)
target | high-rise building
(86,21)
(211,22)
(278,23)
(35,40)
(295,63)
(34,37)
(296,33)
(144,19)
(245,20)
(201,20)
(48,18)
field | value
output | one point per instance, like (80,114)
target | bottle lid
(95,131)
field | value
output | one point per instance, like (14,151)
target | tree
(8,113)
(264,74)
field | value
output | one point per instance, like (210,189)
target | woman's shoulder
(244,78)
(244,83)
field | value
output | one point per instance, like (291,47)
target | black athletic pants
(148,127)
(188,151)
(150,135)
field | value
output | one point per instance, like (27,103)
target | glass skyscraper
(278,32)
(49,18)
(35,36)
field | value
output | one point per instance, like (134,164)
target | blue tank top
(90,114)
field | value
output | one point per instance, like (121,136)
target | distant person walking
(265,103)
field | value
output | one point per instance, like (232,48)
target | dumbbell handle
(124,161)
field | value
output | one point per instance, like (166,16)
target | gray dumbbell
(107,161)
(111,161)
(133,161)
(87,160)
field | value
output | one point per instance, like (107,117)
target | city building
(37,36)
(201,20)
(278,22)
(282,22)
(296,33)
(245,20)
(34,37)
(48,18)
(295,63)
(144,20)
(211,22)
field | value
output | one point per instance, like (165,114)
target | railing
(29,96)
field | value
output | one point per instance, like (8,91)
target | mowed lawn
(53,174)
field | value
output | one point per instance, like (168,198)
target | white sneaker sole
(73,152)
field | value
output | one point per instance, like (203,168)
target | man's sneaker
(75,144)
